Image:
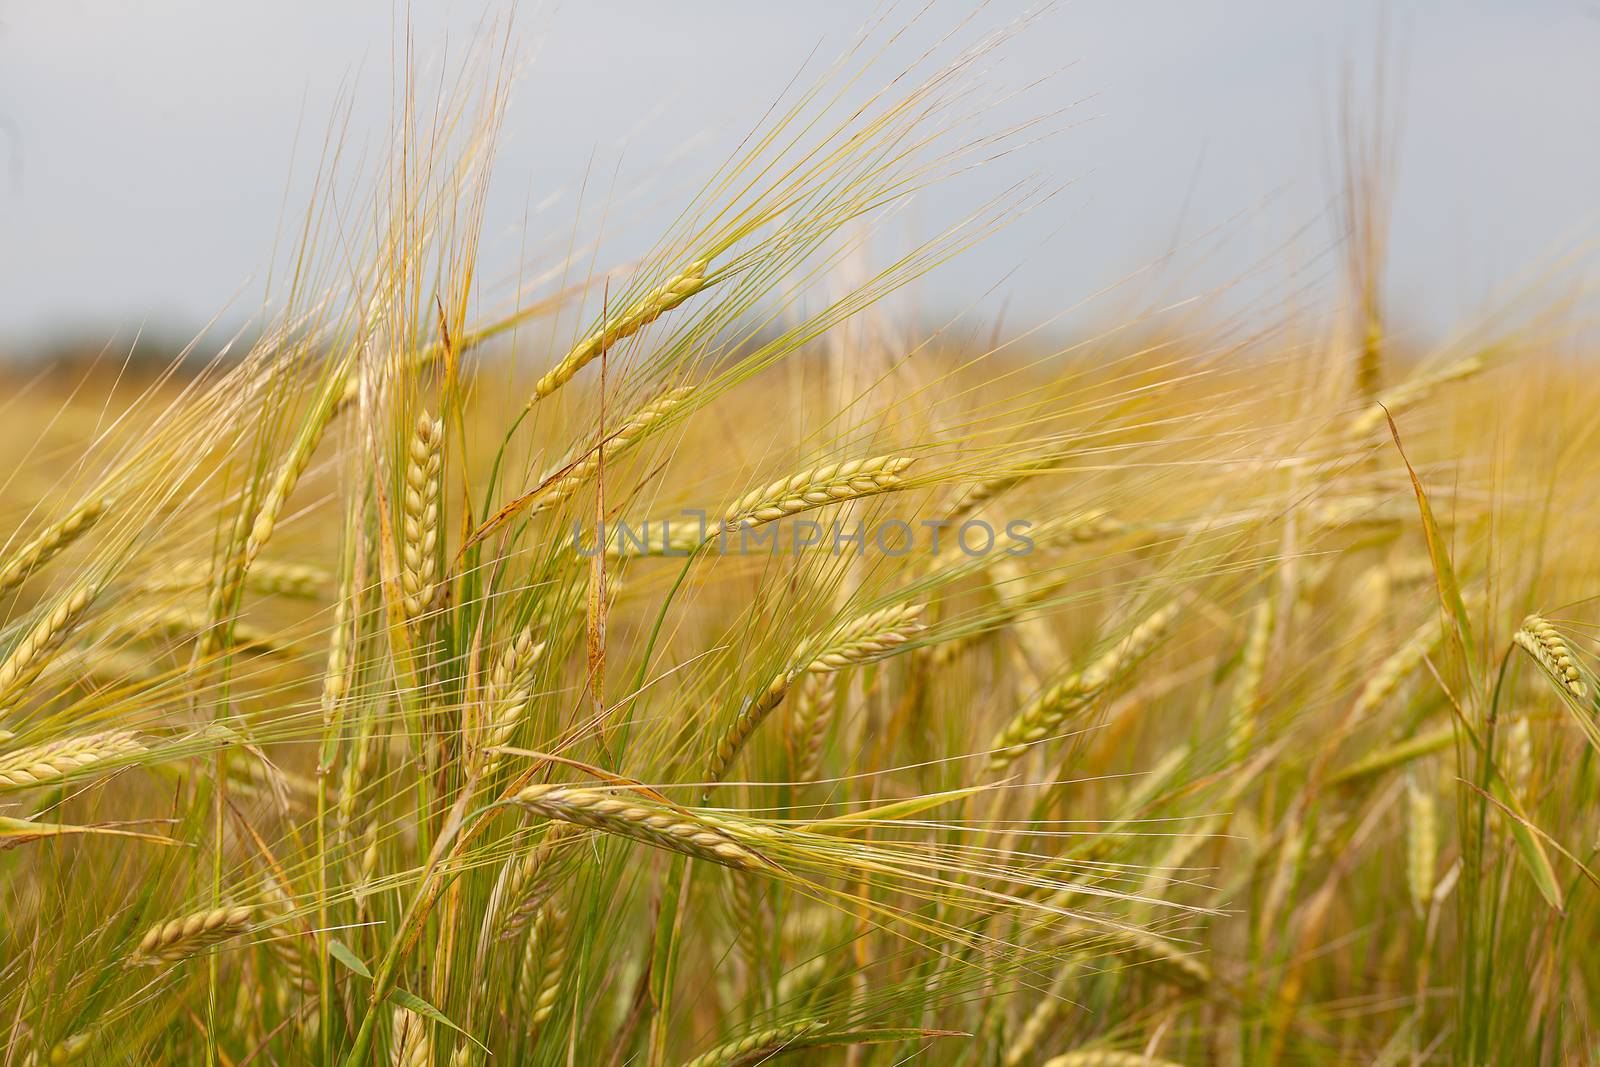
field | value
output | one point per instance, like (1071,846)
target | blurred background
(155,156)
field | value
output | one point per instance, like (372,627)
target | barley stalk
(27,768)
(1549,649)
(420,544)
(179,939)
(300,580)
(293,467)
(1519,758)
(646,310)
(674,830)
(1164,958)
(529,883)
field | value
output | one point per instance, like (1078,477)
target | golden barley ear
(177,940)
(28,768)
(829,484)
(1045,714)
(671,829)
(420,517)
(642,313)
(30,656)
(756,1047)
(51,541)
(1550,650)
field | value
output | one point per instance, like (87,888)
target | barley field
(692,661)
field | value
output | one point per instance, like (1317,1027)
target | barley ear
(51,541)
(179,939)
(420,544)
(1550,650)
(646,310)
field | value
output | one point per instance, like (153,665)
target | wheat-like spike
(336,672)
(181,938)
(412,1046)
(813,714)
(508,691)
(751,715)
(51,541)
(31,655)
(353,776)
(289,474)
(1107,1058)
(1397,668)
(752,921)
(870,637)
(646,310)
(1540,640)
(1252,670)
(1033,1030)
(1043,716)
(300,580)
(288,949)
(677,539)
(529,884)
(1163,957)
(67,1050)
(26,768)
(366,865)
(1396,755)
(755,1048)
(420,548)
(181,623)
(634,429)
(817,487)
(675,830)
(234,564)
(543,963)
(1519,758)
(1422,846)
(1408,394)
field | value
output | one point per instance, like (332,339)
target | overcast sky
(145,147)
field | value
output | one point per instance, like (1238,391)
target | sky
(152,151)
